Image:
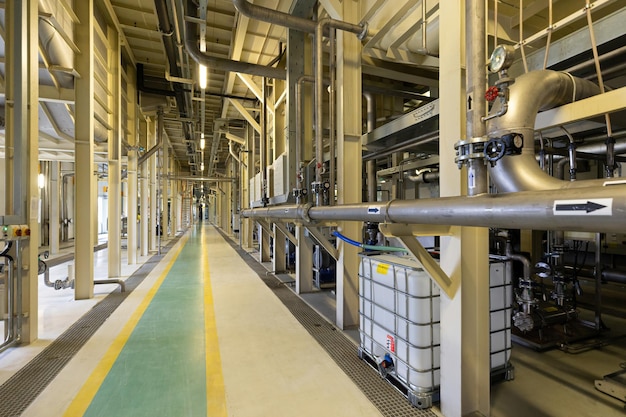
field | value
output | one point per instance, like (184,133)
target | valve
(492,93)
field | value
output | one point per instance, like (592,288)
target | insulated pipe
(221,64)
(534,210)
(532,92)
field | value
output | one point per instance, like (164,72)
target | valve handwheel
(494,150)
(492,93)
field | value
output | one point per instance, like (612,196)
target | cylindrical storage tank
(399,320)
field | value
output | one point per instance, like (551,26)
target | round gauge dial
(501,58)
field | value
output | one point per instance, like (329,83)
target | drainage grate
(19,391)
(382,394)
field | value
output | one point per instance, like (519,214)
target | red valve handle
(492,93)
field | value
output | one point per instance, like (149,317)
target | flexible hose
(368,247)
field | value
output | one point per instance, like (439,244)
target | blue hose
(367,247)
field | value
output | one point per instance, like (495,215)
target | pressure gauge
(501,58)
(518,141)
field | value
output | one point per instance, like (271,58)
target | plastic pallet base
(503,373)
(416,398)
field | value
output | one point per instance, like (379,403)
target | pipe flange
(363,34)
(304,214)
(467,150)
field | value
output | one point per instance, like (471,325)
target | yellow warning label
(382,269)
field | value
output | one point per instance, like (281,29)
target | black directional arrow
(587,207)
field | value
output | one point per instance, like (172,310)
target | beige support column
(144,207)
(247,225)
(464,349)
(114,257)
(279,261)
(93,205)
(304,261)
(30,301)
(264,244)
(131,225)
(84,148)
(349,164)
(152,172)
(175,212)
(165,170)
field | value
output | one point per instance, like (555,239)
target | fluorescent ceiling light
(202,75)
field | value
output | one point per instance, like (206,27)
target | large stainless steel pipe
(591,209)
(531,93)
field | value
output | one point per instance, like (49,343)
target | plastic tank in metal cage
(399,324)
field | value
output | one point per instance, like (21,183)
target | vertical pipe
(598,276)
(263,150)
(370,101)
(476,82)
(54,223)
(521,34)
(319,107)
(610,142)
(331,117)
(131,223)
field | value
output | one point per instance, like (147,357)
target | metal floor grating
(19,391)
(382,394)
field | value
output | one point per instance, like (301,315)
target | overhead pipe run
(221,64)
(601,207)
(318,28)
(531,93)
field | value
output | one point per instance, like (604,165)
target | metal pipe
(221,64)
(610,142)
(370,166)
(571,150)
(518,257)
(424,177)
(10,338)
(476,80)
(598,276)
(532,92)
(332,116)
(319,85)
(533,210)
(274,16)
(299,127)
(263,143)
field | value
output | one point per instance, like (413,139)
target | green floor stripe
(161,369)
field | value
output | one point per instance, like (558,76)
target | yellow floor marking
(83,399)
(215,391)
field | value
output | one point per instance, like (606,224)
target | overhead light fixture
(41,180)
(202,75)
(201,166)
(202,142)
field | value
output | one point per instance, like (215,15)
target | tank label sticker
(382,269)
(583,207)
(391,343)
